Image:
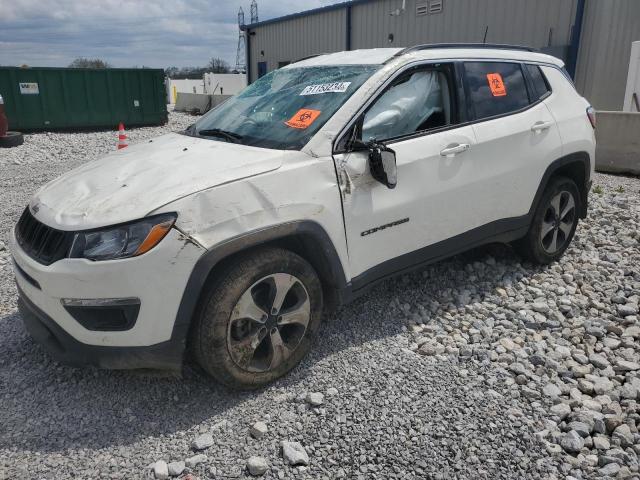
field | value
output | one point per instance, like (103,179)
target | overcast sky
(158,33)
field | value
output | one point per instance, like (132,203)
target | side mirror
(382,163)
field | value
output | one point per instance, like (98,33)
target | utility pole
(241,55)
(254,12)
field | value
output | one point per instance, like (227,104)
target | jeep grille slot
(42,243)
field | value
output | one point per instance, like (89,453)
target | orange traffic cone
(122,137)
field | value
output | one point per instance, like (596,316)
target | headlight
(122,241)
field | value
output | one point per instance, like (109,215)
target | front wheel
(554,223)
(259,318)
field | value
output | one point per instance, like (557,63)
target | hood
(132,182)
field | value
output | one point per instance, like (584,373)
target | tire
(236,339)
(556,218)
(12,139)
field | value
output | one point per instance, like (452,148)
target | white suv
(232,238)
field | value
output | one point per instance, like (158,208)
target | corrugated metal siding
(294,39)
(609,28)
(537,23)
(523,22)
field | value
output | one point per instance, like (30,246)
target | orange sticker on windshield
(496,85)
(303,118)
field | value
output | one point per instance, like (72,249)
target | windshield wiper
(216,132)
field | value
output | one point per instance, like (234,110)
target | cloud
(129,33)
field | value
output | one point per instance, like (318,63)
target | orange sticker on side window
(496,85)
(303,118)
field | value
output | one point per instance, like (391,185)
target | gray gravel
(479,367)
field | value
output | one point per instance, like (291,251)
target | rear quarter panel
(570,112)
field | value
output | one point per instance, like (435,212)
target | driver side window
(417,101)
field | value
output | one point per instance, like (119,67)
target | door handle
(541,126)
(455,149)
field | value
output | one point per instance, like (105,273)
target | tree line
(215,65)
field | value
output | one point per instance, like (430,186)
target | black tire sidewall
(12,139)
(210,337)
(533,245)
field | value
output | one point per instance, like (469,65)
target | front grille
(42,243)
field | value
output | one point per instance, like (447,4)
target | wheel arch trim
(206,264)
(557,166)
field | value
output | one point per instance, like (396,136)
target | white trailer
(224,83)
(182,85)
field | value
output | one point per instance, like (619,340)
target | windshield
(283,109)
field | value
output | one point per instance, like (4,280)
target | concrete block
(618,137)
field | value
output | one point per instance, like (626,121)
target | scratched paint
(218,214)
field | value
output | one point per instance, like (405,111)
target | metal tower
(241,55)
(254,12)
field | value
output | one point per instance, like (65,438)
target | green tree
(82,62)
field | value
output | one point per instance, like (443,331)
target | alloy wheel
(558,222)
(268,322)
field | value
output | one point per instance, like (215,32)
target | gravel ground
(478,367)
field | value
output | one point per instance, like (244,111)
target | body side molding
(505,230)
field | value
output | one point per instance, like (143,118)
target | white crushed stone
(477,367)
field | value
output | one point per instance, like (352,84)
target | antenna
(254,12)
(240,56)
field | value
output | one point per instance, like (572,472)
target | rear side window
(540,86)
(496,88)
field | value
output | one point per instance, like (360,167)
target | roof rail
(495,46)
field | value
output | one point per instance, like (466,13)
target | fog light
(103,314)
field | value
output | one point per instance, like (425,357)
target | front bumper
(66,349)
(157,279)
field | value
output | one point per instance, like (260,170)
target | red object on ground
(122,137)
(8,139)
(4,123)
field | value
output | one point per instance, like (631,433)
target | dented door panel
(425,207)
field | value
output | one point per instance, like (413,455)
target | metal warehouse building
(593,36)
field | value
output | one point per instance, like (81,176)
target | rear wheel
(259,318)
(554,223)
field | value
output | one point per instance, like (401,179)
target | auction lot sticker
(336,87)
(303,118)
(496,84)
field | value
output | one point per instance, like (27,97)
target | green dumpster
(68,98)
